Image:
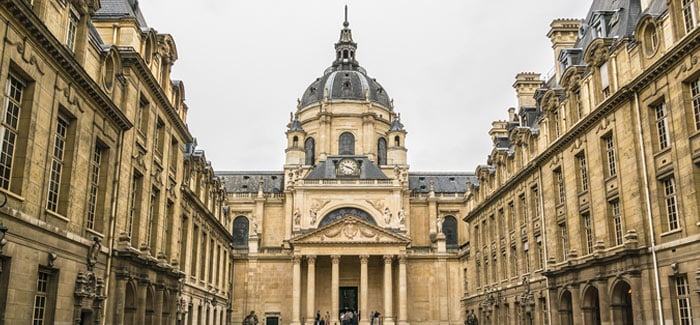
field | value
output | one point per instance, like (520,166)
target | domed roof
(345,85)
(345,79)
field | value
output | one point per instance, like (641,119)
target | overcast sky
(448,64)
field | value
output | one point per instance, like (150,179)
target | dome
(340,84)
(345,79)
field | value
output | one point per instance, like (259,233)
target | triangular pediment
(350,230)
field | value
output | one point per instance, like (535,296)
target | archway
(566,315)
(341,213)
(240,231)
(150,306)
(591,306)
(621,304)
(130,304)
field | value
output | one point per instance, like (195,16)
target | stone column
(140,317)
(388,303)
(576,305)
(335,282)
(403,311)
(310,288)
(604,302)
(119,300)
(296,289)
(364,259)
(158,304)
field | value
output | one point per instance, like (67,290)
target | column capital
(311,259)
(388,259)
(335,259)
(364,259)
(296,259)
(402,258)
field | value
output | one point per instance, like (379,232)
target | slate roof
(247,181)
(621,23)
(656,8)
(349,84)
(114,9)
(326,169)
(445,182)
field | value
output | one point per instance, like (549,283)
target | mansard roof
(249,181)
(443,182)
(327,170)
(117,9)
(620,16)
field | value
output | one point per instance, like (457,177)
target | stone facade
(345,225)
(587,210)
(99,171)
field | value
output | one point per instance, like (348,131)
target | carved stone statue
(251,319)
(402,217)
(438,223)
(312,215)
(94,252)
(387,215)
(297,217)
(254,223)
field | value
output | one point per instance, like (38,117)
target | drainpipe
(647,195)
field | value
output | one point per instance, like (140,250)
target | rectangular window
(44,298)
(158,138)
(695,94)
(604,80)
(587,232)
(152,224)
(195,251)
(685,314)
(174,150)
(559,181)
(504,269)
(94,187)
(610,154)
(202,259)
(662,129)
(134,206)
(57,160)
(523,209)
(501,222)
(167,241)
(142,116)
(72,29)
(579,104)
(564,236)
(526,256)
(211,261)
(671,203)
(582,172)
(183,242)
(514,261)
(536,202)
(555,123)
(540,253)
(511,215)
(616,221)
(14,90)
(690,12)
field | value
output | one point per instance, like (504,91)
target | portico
(349,253)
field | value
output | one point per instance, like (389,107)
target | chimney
(563,34)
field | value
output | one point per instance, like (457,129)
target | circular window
(109,73)
(651,39)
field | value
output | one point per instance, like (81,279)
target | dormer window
(601,22)
(690,12)
(72,28)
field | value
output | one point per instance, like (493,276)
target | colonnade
(387,313)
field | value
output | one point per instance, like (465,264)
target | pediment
(350,230)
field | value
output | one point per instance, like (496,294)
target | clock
(348,167)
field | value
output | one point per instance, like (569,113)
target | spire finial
(346,23)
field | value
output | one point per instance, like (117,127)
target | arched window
(449,228)
(381,151)
(295,141)
(346,144)
(240,231)
(397,141)
(309,148)
(566,316)
(622,304)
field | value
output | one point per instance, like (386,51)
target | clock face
(348,167)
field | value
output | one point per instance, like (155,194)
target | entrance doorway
(348,299)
